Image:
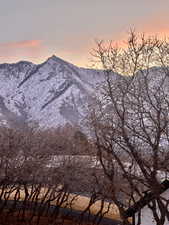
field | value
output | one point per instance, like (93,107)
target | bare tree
(130,122)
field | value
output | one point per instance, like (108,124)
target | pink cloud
(156,25)
(31,50)
(21,44)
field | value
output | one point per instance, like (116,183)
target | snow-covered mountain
(55,92)
(52,93)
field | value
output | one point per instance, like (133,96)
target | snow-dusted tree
(131,123)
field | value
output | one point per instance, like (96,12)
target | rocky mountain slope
(52,93)
(55,92)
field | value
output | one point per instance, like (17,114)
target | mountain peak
(54,58)
(52,93)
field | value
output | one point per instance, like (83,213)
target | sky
(34,30)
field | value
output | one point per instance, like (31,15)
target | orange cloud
(31,50)
(21,44)
(156,25)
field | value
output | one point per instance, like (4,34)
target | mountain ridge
(52,93)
